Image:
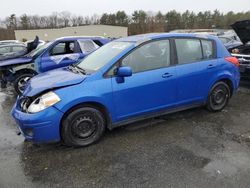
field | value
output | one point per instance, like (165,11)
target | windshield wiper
(81,69)
(77,69)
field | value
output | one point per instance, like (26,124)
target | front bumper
(40,127)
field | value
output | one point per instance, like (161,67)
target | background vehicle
(127,80)
(40,42)
(58,53)
(6,42)
(14,49)
(230,43)
(242,52)
(10,51)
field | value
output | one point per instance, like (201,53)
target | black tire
(218,97)
(20,82)
(82,127)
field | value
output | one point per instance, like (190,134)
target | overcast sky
(89,7)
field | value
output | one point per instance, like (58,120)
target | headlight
(43,102)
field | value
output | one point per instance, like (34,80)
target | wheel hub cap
(84,127)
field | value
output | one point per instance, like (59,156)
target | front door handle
(167,75)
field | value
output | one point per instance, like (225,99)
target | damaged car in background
(55,54)
(11,49)
(242,52)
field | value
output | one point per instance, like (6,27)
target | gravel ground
(193,148)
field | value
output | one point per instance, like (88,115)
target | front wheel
(218,97)
(21,82)
(82,127)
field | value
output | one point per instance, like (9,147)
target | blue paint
(139,94)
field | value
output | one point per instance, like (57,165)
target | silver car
(10,51)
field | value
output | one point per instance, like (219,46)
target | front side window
(63,48)
(188,50)
(153,55)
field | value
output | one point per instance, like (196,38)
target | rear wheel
(21,82)
(82,127)
(218,97)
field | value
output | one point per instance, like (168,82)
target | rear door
(196,64)
(60,55)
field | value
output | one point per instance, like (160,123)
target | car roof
(80,37)
(10,45)
(152,36)
(6,41)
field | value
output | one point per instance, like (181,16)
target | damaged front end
(8,73)
(244,61)
(242,52)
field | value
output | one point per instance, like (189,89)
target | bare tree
(53,18)
(80,20)
(11,21)
(24,21)
(65,15)
(74,20)
(35,22)
(95,19)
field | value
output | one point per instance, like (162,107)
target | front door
(152,86)
(60,55)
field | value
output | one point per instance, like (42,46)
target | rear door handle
(167,75)
(211,66)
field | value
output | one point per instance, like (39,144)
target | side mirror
(124,72)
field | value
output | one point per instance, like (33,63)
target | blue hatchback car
(127,80)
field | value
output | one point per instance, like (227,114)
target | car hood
(21,60)
(51,80)
(234,44)
(242,28)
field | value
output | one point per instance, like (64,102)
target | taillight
(233,60)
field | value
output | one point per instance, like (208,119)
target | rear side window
(192,50)
(188,50)
(87,46)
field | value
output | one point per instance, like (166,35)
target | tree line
(138,22)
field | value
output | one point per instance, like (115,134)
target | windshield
(38,50)
(103,55)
